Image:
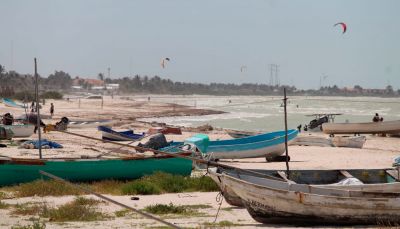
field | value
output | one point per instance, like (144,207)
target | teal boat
(268,145)
(12,103)
(15,171)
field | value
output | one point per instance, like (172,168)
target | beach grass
(35,225)
(80,209)
(180,210)
(168,183)
(223,224)
(29,208)
(154,184)
(163,209)
(4,205)
(44,188)
(122,213)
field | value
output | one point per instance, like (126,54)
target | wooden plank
(346,174)
(283,175)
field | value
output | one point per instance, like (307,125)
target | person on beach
(51,110)
(376,118)
(32,119)
(299,128)
(32,106)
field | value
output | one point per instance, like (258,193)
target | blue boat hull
(268,145)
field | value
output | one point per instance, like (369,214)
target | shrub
(35,225)
(45,188)
(162,209)
(51,95)
(81,209)
(168,183)
(141,187)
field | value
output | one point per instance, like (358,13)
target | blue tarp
(44,144)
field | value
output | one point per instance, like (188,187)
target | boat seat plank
(283,175)
(346,174)
(394,174)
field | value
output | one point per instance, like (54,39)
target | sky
(208,40)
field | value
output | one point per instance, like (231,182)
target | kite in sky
(344,26)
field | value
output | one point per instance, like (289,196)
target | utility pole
(109,71)
(286,134)
(37,110)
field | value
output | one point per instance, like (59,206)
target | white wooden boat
(368,180)
(349,141)
(272,201)
(240,133)
(312,141)
(386,127)
(20,130)
(88,123)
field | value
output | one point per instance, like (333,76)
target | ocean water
(266,113)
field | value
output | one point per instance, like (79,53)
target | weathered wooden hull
(312,141)
(349,141)
(387,127)
(280,203)
(240,134)
(376,180)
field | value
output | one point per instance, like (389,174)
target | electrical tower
(274,75)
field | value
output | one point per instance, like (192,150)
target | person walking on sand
(51,110)
(32,106)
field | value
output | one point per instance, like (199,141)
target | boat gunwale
(342,198)
(34,161)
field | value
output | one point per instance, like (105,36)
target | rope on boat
(175,155)
(87,190)
(219,198)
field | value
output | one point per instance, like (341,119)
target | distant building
(92,84)
(112,86)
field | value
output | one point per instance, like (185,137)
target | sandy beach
(378,152)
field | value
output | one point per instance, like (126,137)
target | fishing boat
(20,130)
(368,180)
(349,141)
(15,171)
(275,201)
(386,127)
(268,145)
(87,123)
(112,135)
(165,130)
(240,133)
(312,141)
